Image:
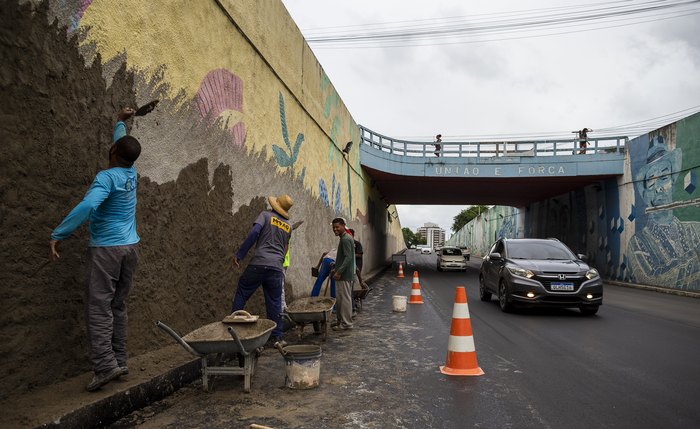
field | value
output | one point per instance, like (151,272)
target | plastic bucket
(399,303)
(303,364)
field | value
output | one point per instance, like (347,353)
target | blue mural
(284,158)
(663,250)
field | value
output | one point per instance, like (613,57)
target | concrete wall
(642,228)
(246,111)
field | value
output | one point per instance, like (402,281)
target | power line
(593,18)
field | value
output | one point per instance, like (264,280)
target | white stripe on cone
(416,292)
(461,344)
(460,311)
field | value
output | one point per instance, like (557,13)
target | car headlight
(521,272)
(592,273)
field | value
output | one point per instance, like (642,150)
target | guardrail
(596,145)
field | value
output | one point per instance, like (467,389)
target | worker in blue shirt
(110,207)
(120,128)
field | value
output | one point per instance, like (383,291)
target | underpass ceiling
(516,192)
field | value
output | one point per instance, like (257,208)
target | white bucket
(303,366)
(399,303)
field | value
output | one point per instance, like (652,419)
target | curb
(654,289)
(114,407)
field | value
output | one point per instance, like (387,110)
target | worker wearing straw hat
(270,233)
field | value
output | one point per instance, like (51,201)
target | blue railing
(596,145)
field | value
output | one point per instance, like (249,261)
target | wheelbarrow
(359,295)
(215,340)
(315,310)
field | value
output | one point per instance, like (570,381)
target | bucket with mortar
(399,303)
(303,363)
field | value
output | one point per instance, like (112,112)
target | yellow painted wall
(258,42)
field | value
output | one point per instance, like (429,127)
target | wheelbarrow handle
(177,338)
(237,340)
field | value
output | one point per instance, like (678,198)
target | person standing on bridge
(438,146)
(583,139)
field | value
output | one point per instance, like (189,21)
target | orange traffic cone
(400,276)
(416,297)
(461,353)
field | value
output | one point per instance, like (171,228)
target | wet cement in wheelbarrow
(311,305)
(218,331)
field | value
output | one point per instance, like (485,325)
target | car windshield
(538,250)
(451,252)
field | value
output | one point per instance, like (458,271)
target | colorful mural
(665,250)
(288,158)
(642,228)
(220,95)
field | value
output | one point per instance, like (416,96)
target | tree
(411,238)
(408,236)
(467,215)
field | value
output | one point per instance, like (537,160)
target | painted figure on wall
(665,251)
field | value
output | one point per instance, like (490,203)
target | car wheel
(467,258)
(483,293)
(438,267)
(589,310)
(504,297)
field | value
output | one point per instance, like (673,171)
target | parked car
(425,250)
(451,258)
(465,252)
(539,272)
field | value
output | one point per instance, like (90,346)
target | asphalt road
(636,364)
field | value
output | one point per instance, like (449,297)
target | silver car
(451,258)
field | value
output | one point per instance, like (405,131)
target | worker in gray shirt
(343,274)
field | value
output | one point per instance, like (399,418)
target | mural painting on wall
(335,157)
(665,250)
(220,95)
(287,158)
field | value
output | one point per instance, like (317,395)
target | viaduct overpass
(494,173)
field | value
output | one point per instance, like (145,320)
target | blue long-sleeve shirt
(119,131)
(110,207)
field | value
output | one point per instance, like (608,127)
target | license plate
(562,286)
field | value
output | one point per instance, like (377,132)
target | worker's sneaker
(124,370)
(342,327)
(101,379)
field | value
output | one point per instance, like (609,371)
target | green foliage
(467,215)
(411,238)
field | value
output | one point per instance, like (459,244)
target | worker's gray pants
(343,290)
(110,271)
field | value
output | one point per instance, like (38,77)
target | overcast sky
(466,89)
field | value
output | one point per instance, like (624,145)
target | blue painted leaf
(302,175)
(283,120)
(283,159)
(297,145)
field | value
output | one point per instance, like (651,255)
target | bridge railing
(596,145)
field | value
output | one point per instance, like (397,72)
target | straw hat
(281,204)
